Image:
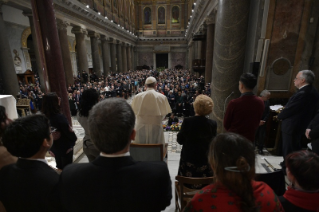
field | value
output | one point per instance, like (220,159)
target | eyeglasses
(53,129)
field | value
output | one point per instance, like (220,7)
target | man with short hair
(26,185)
(298,112)
(244,113)
(261,131)
(114,181)
(150,108)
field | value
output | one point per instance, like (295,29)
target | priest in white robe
(150,108)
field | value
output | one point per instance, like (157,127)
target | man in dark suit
(298,112)
(26,185)
(243,114)
(114,181)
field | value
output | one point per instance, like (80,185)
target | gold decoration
(24,37)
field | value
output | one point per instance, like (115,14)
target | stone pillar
(169,60)
(95,52)
(81,49)
(65,50)
(8,76)
(231,28)
(190,57)
(128,55)
(52,52)
(105,55)
(113,55)
(154,61)
(209,49)
(36,50)
(124,57)
(119,57)
(133,58)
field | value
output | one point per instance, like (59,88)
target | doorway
(162,60)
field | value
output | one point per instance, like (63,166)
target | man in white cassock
(150,108)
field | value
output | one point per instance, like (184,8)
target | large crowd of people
(27,183)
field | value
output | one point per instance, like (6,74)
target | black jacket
(299,110)
(195,135)
(115,184)
(26,186)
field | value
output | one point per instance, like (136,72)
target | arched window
(161,15)
(147,15)
(175,14)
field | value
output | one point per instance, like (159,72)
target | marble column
(154,61)
(65,50)
(8,76)
(229,53)
(124,57)
(169,61)
(190,57)
(133,58)
(105,55)
(95,52)
(52,52)
(119,57)
(113,55)
(128,57)
(209,49)
(40,64)
(81,49)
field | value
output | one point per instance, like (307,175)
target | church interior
(54,41)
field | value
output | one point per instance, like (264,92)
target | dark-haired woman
(64,137)
(89,98)
(303,173)
(232,159)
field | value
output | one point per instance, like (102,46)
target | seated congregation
(114,181)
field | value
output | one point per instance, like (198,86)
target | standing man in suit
(26,185)
(114,181)
(243,114)
(298,113)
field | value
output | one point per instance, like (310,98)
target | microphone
(226,100)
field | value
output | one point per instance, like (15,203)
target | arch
(24,37)
(161,15)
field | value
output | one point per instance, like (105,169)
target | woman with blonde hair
(195,135)
(232,159)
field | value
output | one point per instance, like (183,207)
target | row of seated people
(115,182)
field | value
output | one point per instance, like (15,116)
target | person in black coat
(114,181)
(64,137)
(298,112)
(312,133)
(195,135)
(26,185)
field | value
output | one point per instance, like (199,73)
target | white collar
(303,86)
(43,160)
(115,156)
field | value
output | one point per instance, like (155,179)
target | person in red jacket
(244,113)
